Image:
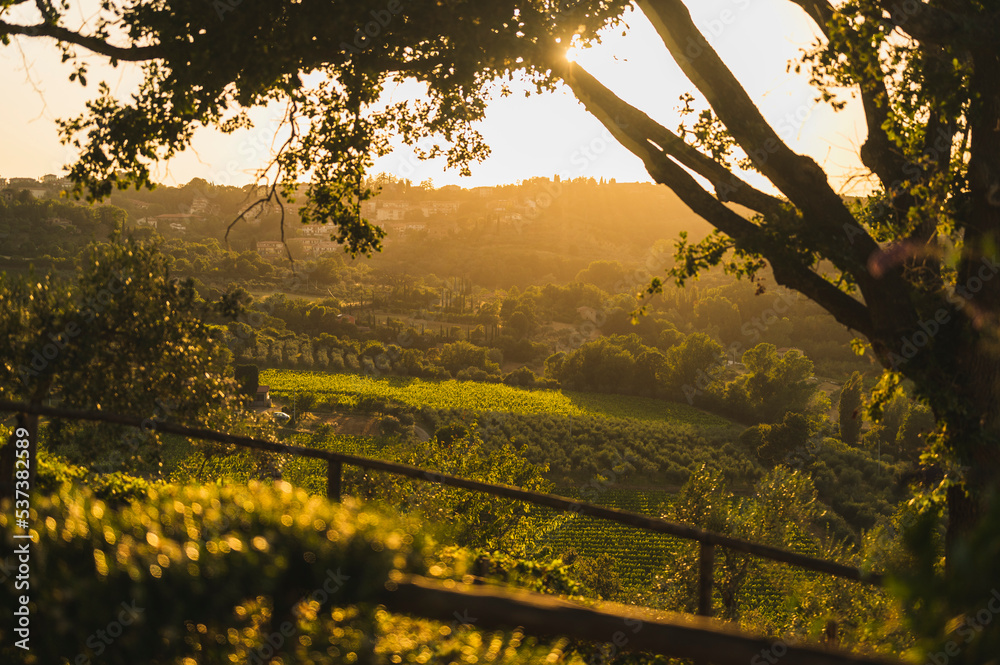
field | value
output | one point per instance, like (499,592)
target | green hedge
(207,573)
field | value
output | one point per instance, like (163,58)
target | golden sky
(536,136)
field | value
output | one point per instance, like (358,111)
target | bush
(449,434)
(774,443)
(304,401)
(159,556)
(54,472)
(390,425)
(459,356)
(476,374)
(522,376)
(599,574)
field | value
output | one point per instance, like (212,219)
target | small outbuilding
(263,397)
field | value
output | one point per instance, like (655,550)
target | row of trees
(693,368)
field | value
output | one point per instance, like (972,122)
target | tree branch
(821,12)
(95,44)
(827,225)
(788,269)
(936,25)
(632,122)
(797,176)
(878,152)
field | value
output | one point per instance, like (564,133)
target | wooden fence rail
(632,630)
(708,540)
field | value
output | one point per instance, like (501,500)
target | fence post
(333,480)
(706,563)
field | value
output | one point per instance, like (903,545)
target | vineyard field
(348,389)
(640,556)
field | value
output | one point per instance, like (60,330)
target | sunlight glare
(575,48)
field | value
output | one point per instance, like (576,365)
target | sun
(575,48)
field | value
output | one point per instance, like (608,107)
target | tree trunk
(973,430)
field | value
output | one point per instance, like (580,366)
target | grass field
(347,389)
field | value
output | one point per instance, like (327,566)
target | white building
(270,247)
(439,207)
(392,211)
(314,230)
(326,247)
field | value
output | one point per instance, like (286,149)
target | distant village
(40,188)
(396,210)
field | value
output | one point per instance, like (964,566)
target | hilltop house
(22,183)
(30,184)
(52,180)
(304,245)
(270,247)
(177,220)
(392,211)
(62,223)
(439,208)
(326,247)
(314,230)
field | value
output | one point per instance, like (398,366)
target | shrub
(158,558)
(522,376)
(449,434)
